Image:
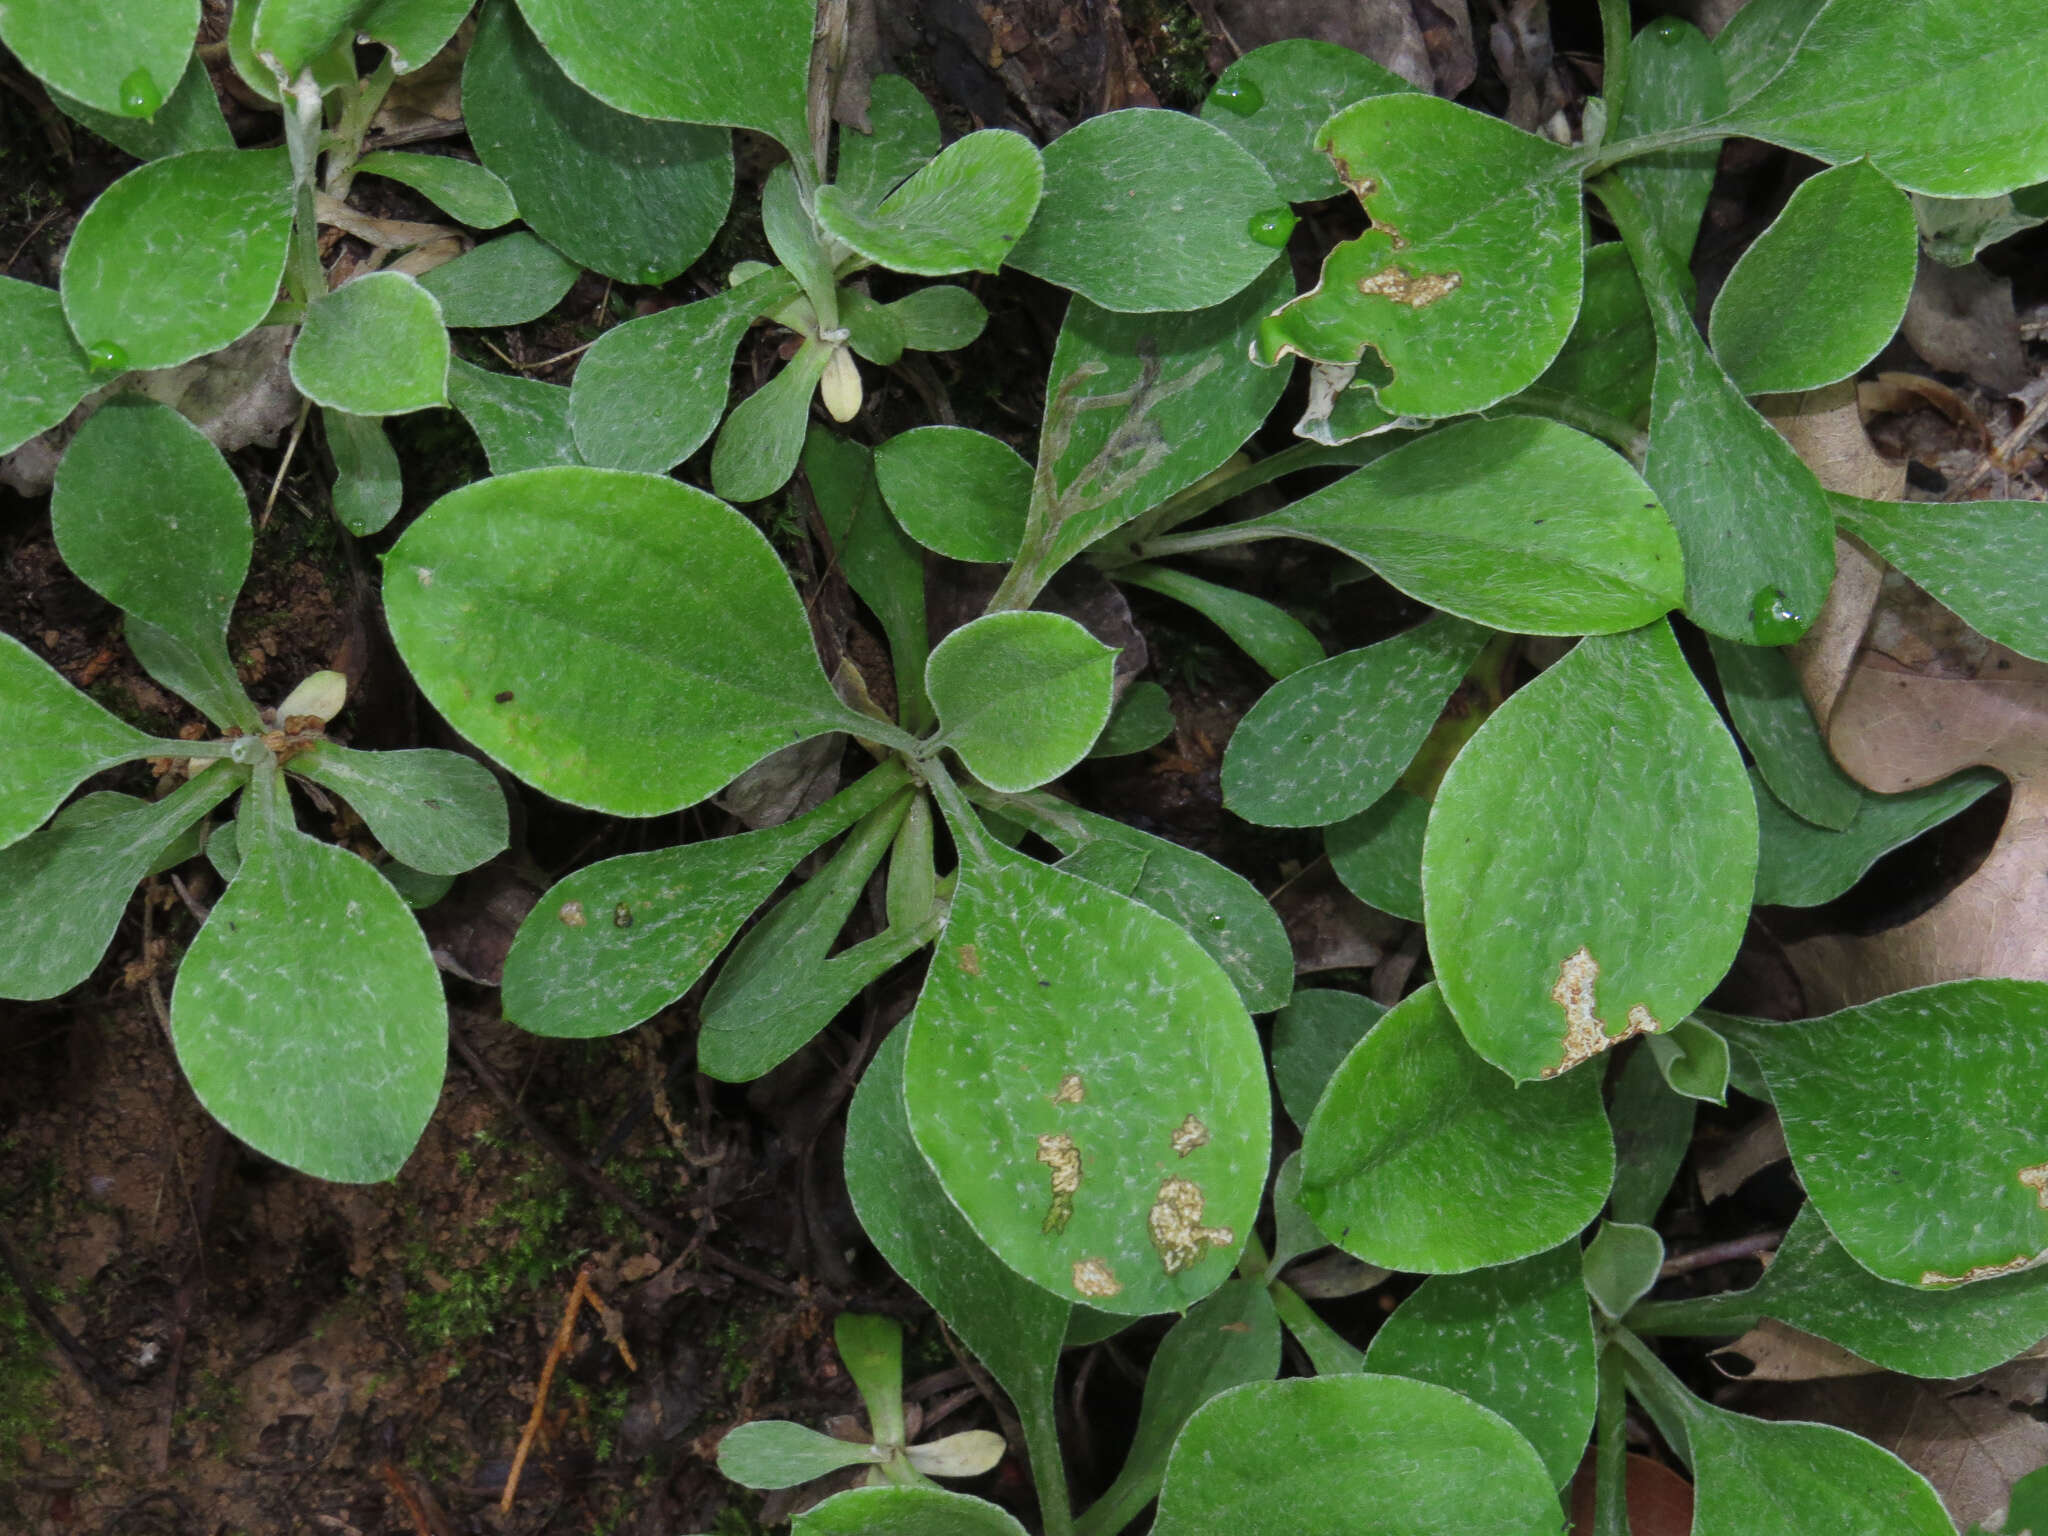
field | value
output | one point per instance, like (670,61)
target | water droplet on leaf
(1772,621)
(106,357)
(140,96)
(1271,226)
(1240,95)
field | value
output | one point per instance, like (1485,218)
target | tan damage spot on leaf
(1415,289)
(1176,1223)
(1584,1035)
(2036,1179)
(968,958)
(1071,1090)
(572,914)
(1192,1134)
(1057,1151)
(1092,1277)
(2011,1266)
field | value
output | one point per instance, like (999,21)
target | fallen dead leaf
(1659,1500)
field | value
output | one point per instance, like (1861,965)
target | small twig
(546,362)
(290,448)
(396,1481)
(2000,457)
(579,1293)
(1753,1246)
(33,230)
(80,1358)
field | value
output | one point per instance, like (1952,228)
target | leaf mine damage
(1092,1277)
(1057,1151)
(1585,1036)
(1415,289)
(1176,1223)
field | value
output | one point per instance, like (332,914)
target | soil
(225,1346)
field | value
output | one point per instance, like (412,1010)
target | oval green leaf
(1377,854)
(1674,81)
(1917,1126)
(1365,1456)
(1467,284)
(1422,1157)
(773,1453)
(956,491)
(1148,210)
(759,445)
(1517,523)
(180,256)
(906,1511)
(56,738)
(1089,1089)
(1802,865)
(122,56)
(440,812)
(43,372)
(522,423)
(507,281)
(1330,740)
(583,627)
(1517,1338)
(1266,632)
(1020,697)
(1822,290)
(635,200)
(1985,560)
(461,188)
(190,118)
(368,485)
(1770,711)
(1554,932)
(962,212)
(1273,99)
(905,135)
(373,347)
(1311,1037)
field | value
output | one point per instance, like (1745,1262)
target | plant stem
(345,145)
(1663,290)
(1555,404)
(1614,38)
(1247,532)
(1664,1397)
(1332,1355)
(1730,1313)
(1612,155)
(304,276)
(1610,1466)
(960,817)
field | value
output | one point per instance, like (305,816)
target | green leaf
(308,1014)
(619,940)
(1149,210)
(1273,99)
(777,990)
(1925,90)
(1422,1157)
(43,374)
(147,513)
(772,1453)
(523,423)
(1366,1455)
(291,34)
(580,626)
(1141,719)
(872,332)
(460,188)
(1264,631)
(1674,81)
(1467,284)
(1983,559)
(373,347)
(1518,524)
(1377,854)
(1065,1032)
(1201,395)
(635,200)
(1759,41)
(414,30)
(1771,712)
(1801,865)
(121,57)
(1020,697)
(1553,934)
(1954,230)
(1610,357)
(1814,1285)
(1517,1339)
(742,64)
(1220,909)
(368,490)
(1917,1125)
(417,889)
(1330,740)
(63,889)
(1693,1059)
(190,118)
(794,237)
(961,212)
(649,393)
(1621,1265)
(440,812)
(1014,1327)
(956,491)
(507,281)
(905,136)
(180,256)
(940,318)
(56,738)
(885,570)
(2027,1512)
(1652,1131)
(1822,290)
(761,441)
(1814,1479)
(1311,1037)
(1227,1339)
(905,1512)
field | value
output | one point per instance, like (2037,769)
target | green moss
(26,1375)
(1173,50)
(505,1259)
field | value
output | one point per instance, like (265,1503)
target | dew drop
(106,357)
(1772,621)
(1240,95)
(1271,226)
(139,95)
(1216,920)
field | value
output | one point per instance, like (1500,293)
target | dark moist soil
(194,1339)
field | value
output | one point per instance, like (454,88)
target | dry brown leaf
(1775,1352)
(1659,1500)
(1961,320)
(1896,393)
(1724,1168)
(1385,31)
(1330,928)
